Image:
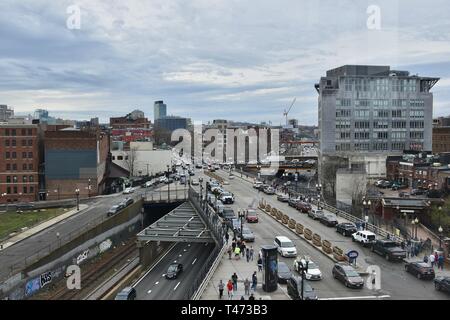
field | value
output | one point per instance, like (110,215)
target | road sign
(353,254)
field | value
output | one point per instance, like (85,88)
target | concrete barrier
(327,246)
(317,240)
(308,234)
(299,228)
(292,223)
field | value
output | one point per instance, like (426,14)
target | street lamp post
(440,237)
(241,214)
(366,205)
(200,180)
(415,224)
(319,189)
(77,192)
(168,184)
(303,269)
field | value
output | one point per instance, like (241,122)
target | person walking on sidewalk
(431,259)
(234,277)
(247,254)
(254,281)
(252,251)
(233,244)
(436,258)
(227,237)
(247,287)
(441,262)
(230,289)
(237,253)
(260,264)
(252,297)
(221,287)
(230,251)
(243,249)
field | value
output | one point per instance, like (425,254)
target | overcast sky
(208,59)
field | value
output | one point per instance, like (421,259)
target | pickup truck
(389,249)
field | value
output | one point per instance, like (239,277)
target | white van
(285,246)
(364,237)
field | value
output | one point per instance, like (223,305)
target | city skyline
(207,61)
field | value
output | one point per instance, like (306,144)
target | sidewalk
(42,226)
(243,270)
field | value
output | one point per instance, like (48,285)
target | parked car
(251,216)
(294,289)
(226,198)
(347,275)
(127,202)
(269,190)
(257,184)
(283,272)
(219,207)
(285,246)
(398,186)
(315,214)
(385,184)
(346,228)
(228,214)
(194,182)
(247,234)
(442,284)
(389,249)
(127,293)
(328,219)
(417,192)
(283,197)
(313,272)
(292,202)
(303,207)
(364,237)
(128,190)
(174,270)
(404,194)
(420,269)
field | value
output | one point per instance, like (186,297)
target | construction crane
(285,113)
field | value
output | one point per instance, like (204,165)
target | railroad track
(95,272)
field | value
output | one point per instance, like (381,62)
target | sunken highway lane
(154,286)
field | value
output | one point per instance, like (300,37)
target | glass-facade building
(374,109)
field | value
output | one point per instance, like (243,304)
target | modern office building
(365,114)
(374,109)
(19,165)
(159,110)
(5,113)
(171,123)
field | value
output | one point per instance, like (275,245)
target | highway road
(13,257)
(154,286)
(395,282)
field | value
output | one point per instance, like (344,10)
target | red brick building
(19,165)
(441,139)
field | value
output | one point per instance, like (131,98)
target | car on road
(292,202)
(329,219)
(442,284)
(421,270)
(389,249)
(191,173)
(174,270)
(364,237)
(294,289)
(398,186)
(283,197)
(257,184)
(417,192)
(128,190)
(285,246)
(346,228)
(148,184)
(269,190)
(385,184)
(283,272)
(313,272)
(228,214)
(127,202)
(115,209)
(303,207)
(226,198)
(247,234)
(195,182)
(251,216)
(127,293)
(315,214)
(347,275)
(404,194)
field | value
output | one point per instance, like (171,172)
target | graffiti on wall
(46,278)
(105,245)
(83,256)
(32,286)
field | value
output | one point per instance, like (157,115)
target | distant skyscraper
(5,113)
(159,110)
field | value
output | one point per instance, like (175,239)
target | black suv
(346,229)
(389,249)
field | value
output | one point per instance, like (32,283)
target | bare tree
(130,160)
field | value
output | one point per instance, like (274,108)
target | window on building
(15,179)
(14,166)
(15,190)
(31,179)
(30,143)
(119,157)
(30,166)
(25,190)
(8,190)
(24,132)
(24,179)
(13,132)
(30,132)
(416,124)
(31,189)
(8,167)
(7,155)
(362,124)
(8,179)
(7,143)
(398,124)
(7,132)
(24,167)
(14,155)
(30,155)
(24,155)
(24,143)
(416,134)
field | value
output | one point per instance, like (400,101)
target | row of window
(23,132)
(13,166)
(383,103)
(383,135)
(380,84)
(15,179)
(120,157)
(398,113)
(13,155)
(13,143)
(15,190)
(378,146)
(346,124)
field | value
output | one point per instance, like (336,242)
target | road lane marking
(156,282)
(176,286)
(358,298)
(194,261)
(149,291)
